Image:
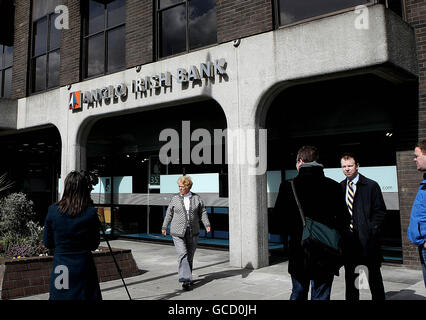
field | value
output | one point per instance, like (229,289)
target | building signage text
(142,84)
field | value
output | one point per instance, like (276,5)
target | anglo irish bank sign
(208,70)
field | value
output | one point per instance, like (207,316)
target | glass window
(6,63)
(40,73)
(104,37)
(53,69)
(95,55)
(173,31)
(45,63)
(116,53)
(291,11)
(184,25)
(202,23)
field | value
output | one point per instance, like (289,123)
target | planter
(30,276)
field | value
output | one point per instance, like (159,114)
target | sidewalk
(216,280)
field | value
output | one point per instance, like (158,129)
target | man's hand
(164,232)
(208,229)
(424,244)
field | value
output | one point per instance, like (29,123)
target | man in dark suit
(361,246)
(322,200)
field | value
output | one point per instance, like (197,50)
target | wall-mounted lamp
(138,68)
(69,87)
(237,42)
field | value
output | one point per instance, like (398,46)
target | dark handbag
(321,244)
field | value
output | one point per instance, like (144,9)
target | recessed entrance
(366,115)
(136,186)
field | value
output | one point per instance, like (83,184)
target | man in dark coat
(361,246)
(321,199)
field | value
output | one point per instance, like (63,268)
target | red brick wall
(30,276)
(242,18)
(71,45)
(139,32)
(408,176)
(21,43)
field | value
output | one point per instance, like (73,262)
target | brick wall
(71,45)
(242,18)
(408,176)
(139,32)
(20,56)
(30,276)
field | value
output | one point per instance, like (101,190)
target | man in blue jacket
(417,227)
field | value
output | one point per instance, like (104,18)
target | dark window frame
(46,53)
(105,31)
(3,69)
(157,14)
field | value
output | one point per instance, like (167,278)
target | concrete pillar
(248,218)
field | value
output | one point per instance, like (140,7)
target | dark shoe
(186,286)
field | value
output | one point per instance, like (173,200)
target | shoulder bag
(321,244)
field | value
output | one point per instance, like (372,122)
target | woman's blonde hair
(186,181)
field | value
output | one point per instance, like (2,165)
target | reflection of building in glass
(116,86)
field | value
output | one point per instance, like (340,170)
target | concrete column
(248,219)
(73,155)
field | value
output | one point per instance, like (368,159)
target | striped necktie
(350,200)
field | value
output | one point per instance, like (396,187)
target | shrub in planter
(19,234)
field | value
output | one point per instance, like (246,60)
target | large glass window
(104,37)
(6,63)
(291,11)
(45,57)
(184,25)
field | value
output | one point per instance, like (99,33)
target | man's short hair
(307,154)
(348,156)
(422,146)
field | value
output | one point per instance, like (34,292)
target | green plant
(19,234)
(15,212)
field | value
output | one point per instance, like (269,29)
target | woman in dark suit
(72,229)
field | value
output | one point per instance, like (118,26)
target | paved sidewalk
(215,279)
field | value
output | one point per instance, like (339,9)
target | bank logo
(75,101)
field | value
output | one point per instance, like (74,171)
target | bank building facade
(143,91)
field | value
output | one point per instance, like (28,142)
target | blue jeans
(422,252)
(320,289)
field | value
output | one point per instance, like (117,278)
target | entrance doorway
(365,115)
(136,186)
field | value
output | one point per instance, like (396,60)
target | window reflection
(116,54)
(95,55)
(96,19)
(40,37)
(55,34)
(167,3)
(202,23)
(7,89)
(54,66)
(6,63)
(45,63)
(296,10)
(179,32)
(173,31)
(116,12)
(40,73)
(104,48)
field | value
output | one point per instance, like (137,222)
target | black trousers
(365,276)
